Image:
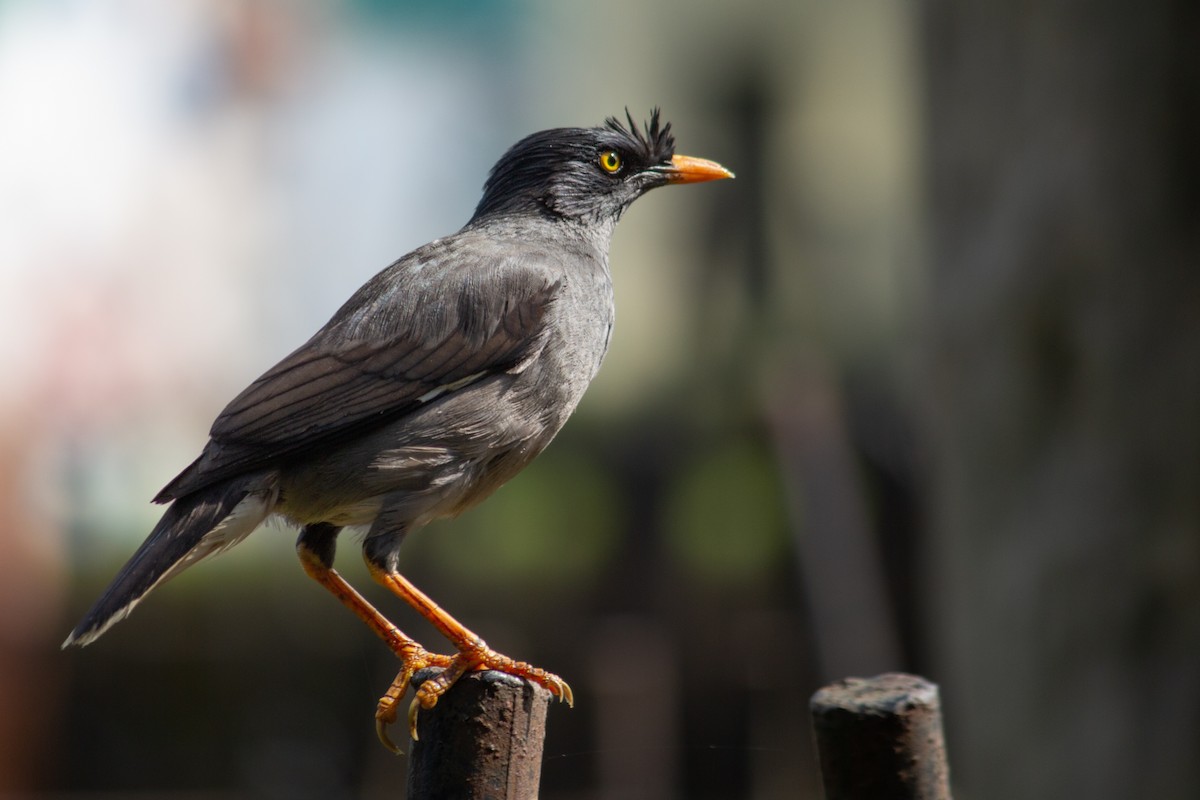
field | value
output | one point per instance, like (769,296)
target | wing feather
(413,334)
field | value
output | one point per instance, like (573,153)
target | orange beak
(686,169)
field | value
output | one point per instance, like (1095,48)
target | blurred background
(919,390)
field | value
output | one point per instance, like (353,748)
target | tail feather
(194,527)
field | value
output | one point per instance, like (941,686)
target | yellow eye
(610,161)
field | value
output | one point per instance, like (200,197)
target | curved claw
(385,712)
(381,731)
(564,693)
(413,708)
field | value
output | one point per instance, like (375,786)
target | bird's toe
(385,711)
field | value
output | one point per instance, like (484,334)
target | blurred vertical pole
(1063,390)
(482,741)
(838,554)
(881,739)
(32,683)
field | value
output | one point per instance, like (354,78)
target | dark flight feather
(338,386)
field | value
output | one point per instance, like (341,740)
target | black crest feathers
(657,143)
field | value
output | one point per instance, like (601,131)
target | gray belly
(434,463)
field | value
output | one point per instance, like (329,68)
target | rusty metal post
(482,741)
(881,739)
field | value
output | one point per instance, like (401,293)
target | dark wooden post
(482,741)
(881,739)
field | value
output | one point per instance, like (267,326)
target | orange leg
(396,640)
(473,654)
(411,654)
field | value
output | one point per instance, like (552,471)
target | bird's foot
(413,658)
(477,657)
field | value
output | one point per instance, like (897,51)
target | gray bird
(439,380)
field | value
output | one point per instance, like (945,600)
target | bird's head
(589,174)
